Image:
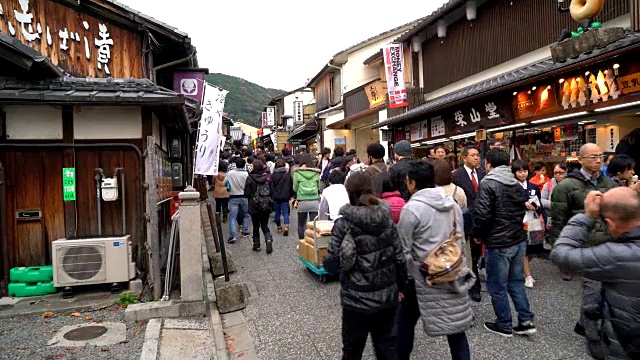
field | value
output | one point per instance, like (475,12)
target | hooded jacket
(499,210)
(380,272)
(306,182)
(617,265)
(251,186)
(426,221)
(219,188)
(567,200)
(281,185)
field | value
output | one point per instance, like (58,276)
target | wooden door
(35,214)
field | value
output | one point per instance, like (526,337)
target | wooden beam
(68,161)
(153,236)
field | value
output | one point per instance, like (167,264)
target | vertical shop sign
(298,113)
(437,127)
(69,184)
(271,116)
(210,131)
(394,69)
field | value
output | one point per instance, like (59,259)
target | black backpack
(261,198)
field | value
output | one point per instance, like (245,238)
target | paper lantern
(416,44)
(472,10)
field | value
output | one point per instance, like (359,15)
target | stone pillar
(190,224)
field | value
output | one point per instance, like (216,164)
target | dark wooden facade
(635,15)
(327,91)
(125,53)
(502,31)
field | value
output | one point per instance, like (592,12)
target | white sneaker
(529,281)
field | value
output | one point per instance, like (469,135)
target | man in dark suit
(468,178)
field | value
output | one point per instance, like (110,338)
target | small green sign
(69,184)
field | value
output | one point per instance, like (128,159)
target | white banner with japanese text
(208,147)
(394,68)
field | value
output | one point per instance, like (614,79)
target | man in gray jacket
(615,263)
(238,203)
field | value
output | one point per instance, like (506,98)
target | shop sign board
(80,44)
(190,84)
(629,84)
(298,113)
(423,130)
(469,118)
(536,101)
(415,132)
(69,184)
(264,119)
(437,126)
(271,115)
(386,135)
(375,94)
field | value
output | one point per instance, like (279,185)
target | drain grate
(85,333)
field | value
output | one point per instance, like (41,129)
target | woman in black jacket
(370,290)
(281,193)
(258,190)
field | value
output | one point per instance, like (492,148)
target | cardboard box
(302,249)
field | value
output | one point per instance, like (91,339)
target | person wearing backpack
(258,190)
(376,167)
(366,250)
(281,193)
(306,184)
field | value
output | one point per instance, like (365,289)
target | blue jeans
(282,208)
(505,277)
(238,205)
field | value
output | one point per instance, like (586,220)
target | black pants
(476,254)
(408,316)
(356,328)
(260,220)
(222,207)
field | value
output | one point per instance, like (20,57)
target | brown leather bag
(445,262)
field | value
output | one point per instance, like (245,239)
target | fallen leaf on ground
(229,337)
(104,349)
(135,334)
(123,306)
(51,331)
(47,314)
(124,342)
(87,318)
(230,347)
(70,349)
(114,309)
(59,356)
(76,314)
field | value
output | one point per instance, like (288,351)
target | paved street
(292,315)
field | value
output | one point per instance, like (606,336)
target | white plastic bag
(532,221)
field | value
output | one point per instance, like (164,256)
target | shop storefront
(543,112)
(305,137)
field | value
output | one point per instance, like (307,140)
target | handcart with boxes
(315,245)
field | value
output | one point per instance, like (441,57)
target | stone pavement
(171,339)
(292,315)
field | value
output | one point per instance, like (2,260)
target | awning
(348,120)
(514,78)
(309,129)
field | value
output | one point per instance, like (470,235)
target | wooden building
(87,85)
(487,65)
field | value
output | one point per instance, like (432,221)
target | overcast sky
(279,43)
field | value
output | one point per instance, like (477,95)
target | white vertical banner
(298,113)
(271,116)
(208,147)
(394,69)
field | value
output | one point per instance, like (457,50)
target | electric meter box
(110,189)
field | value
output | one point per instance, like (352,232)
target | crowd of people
(394,222)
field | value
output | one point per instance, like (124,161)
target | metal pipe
(3,234)
(101,146)
(98,177)
(123,203)
(223,251)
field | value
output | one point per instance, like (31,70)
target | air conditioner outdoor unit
(92,261)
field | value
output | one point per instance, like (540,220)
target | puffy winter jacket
(306,182)
(219,188)
(499,210)
(616,264)
(567,200)
(281,185)
(396,203)
(425,222)
(380,271)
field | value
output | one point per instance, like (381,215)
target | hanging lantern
(472,10)
(442,28)
(416,44)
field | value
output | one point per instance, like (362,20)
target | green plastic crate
(24,290)
(31,274)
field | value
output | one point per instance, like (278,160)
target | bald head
(588,149)
(590,157)
(621,204)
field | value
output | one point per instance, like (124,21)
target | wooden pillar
(153,235)
(635,14)
(68,161)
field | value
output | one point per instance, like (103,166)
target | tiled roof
(88,90)
(428,20)
(507,79)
